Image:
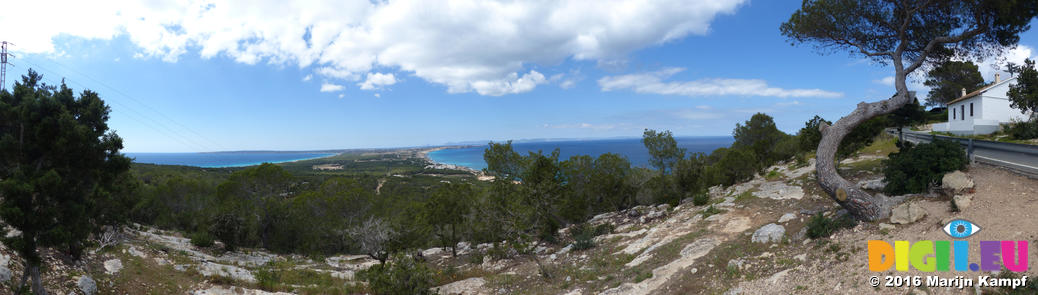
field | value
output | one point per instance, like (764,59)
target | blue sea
(225,159)
(632,148)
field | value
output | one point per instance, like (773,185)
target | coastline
(424,154)
(236,165)
(275,162)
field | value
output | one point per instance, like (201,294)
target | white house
(981,111)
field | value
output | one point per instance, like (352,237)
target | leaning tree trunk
(857,202)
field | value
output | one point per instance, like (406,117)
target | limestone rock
(113,266)
(87,285)
(5,274)
(906,213)
(463,287)
(769,233)
(787,217)
(956,182)
(886,226)
(873,184)
(962,201)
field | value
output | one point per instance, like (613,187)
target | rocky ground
(751,239)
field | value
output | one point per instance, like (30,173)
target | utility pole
(3,63)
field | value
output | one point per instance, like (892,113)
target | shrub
(403,274)
(710,211)
(202,239)
(820,226)
(1023,130)
(584,235)
(914,168)
(701,199)
(268,279)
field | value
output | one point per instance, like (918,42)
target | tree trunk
(857,202)
(37,283)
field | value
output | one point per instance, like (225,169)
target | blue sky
(208,77)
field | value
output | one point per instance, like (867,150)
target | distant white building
(981,111)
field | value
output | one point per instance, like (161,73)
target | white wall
(963,121)
(998,109)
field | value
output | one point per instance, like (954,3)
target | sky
(213,75)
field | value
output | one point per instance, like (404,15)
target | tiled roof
(979,91)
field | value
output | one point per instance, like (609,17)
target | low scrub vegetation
(915,168)
(820,226)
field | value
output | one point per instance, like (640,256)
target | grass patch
(710,211)
(745,196)
(822,227)
(773,174)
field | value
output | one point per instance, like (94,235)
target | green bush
(1023,130)
(820,226)
(402,274)
(584,235)
(202,239)
(701,199)
(914,168)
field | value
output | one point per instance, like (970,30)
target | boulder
(768,233)
(874,184)
(466,286)
(906,213)
(113,266)
(87,285)
(736,264)
(787,217)
(956,183)
(962,201)
(5,274)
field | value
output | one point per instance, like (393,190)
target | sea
(632,148)
(223,159)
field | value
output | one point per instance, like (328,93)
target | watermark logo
(943,256)
(961,228)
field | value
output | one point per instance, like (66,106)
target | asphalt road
(1022,162)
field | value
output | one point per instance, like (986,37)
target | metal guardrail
(971,144)
(978,143)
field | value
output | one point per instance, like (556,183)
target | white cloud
(329,87)
(308,77)
(652,82)
(583,126)
(886,81)
(466,45)
(377,81)
(342,95)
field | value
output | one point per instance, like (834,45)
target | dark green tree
(690,174)
(578,204)
(760,136)
(248,203)
(541,193)
(609,181)
(663,150)
(60,168)
(906,35)
(811,134)
(502,161)
(947,80)
(1024,94)
(907,115)
(446,210)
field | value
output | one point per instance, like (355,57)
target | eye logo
(961,228)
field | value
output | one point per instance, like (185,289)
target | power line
(161,128)
(138,102)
